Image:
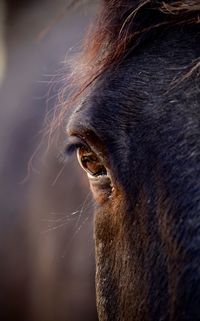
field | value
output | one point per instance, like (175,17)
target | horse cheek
(118,281)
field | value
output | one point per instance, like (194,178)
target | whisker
(82,209)
(75,234)
(64,214)
(57,220)
(55,227)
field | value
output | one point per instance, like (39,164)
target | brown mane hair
(121,25)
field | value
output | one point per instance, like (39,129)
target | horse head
(136,130)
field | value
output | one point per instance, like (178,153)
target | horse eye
(90,162)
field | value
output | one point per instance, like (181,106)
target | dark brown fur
(146,237)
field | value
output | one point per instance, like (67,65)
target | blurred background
(46,240)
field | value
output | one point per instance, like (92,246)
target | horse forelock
(120,28)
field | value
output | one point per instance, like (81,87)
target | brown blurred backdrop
(46,241)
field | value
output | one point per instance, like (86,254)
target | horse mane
(118,29)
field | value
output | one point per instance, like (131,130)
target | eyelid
(73,144)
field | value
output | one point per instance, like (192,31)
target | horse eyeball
(90,162)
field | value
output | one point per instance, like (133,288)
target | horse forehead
(106,105)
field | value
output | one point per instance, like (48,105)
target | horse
(135,127)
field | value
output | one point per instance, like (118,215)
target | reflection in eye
(90,162)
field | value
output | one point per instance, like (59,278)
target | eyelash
(73,144)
